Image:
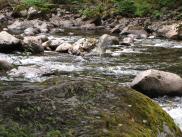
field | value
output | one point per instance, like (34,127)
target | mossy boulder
(86,108)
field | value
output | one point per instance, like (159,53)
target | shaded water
(119,65)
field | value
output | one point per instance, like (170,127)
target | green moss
(90,108)
(14,130)
(153,115)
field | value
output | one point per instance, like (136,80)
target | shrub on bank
(135,7)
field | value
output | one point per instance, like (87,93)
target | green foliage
(157,14)
(42,5)
(54,133)
(144,7)
(125,7)
(92,11)
(14,130)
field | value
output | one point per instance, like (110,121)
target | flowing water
(120,64)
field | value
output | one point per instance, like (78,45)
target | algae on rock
(87,108)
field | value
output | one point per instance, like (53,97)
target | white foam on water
(173,106)
(176,114)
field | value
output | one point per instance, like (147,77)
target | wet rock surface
(5,66)
(9,43)
(86,108)
(155,83)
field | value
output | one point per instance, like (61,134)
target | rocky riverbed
(49,56)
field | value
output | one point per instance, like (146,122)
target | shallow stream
(119,65)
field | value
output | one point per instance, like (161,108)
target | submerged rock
(9,43)
(86,108)
(154,83)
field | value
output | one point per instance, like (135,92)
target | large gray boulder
(9,43)
(154,83)
(83,108)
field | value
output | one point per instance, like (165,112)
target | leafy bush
(14,130)
(125,7)
(42,5)
(54,133)
(34,2)
(144,7)
(92,11)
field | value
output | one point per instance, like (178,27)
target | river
(120,65)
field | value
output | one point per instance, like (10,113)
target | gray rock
(31,31)
(24,13)
(128,41)
(9,43)
(19,26)
(55,42)
(33,48)
(32,39)
(64,47)
(116,29)
(33,44)
(88,26)
(93,108)
(135,30)
(172,31)
(66,24)
(95,20)
(105,41)
(56,30)
(2,17)
(33,13)
(154,83)
(46,45)
(5,66)
(83,45)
